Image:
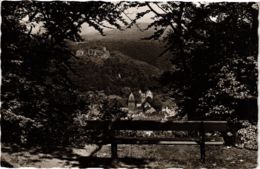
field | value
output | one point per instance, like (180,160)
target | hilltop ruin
(94,54)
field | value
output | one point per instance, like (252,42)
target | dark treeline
(39,101)
(214,51)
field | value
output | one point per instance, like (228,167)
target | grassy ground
(152,156)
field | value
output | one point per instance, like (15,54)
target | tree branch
(160,7)
(164,51)
(133,21)
(158,14)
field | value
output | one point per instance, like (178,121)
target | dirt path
(153,156)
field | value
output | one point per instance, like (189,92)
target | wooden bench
(201,127)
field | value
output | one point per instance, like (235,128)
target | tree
(229,45)
(37,95)
(209,42)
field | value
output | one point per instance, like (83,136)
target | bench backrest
(157,125)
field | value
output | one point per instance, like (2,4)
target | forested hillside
(117,72)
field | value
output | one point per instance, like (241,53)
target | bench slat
(189,143)
(158,142)
(162,140)
(157,125)
(155,138)
(167,142)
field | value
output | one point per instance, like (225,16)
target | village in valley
(136,107)
(137,104)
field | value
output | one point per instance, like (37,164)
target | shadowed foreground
(129,156)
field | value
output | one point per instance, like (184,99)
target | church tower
(131,103)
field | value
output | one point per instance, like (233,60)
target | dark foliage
(111,110)
(214,63)
(214,55)
(38,98)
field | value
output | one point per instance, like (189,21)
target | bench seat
(110,128)
(164,141)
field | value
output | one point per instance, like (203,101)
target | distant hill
(130,43)
(133,33)
(133,62)
(116,72)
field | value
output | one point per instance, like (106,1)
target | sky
(86,29)
(130,13)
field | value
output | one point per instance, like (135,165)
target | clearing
(152,156)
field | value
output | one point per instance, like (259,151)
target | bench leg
(114,150)
(202,143)
(202,152)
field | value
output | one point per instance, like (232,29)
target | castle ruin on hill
(95,54)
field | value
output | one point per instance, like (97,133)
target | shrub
(246,137)
(110,110)
(156,103)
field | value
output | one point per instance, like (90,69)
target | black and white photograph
(129,84)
